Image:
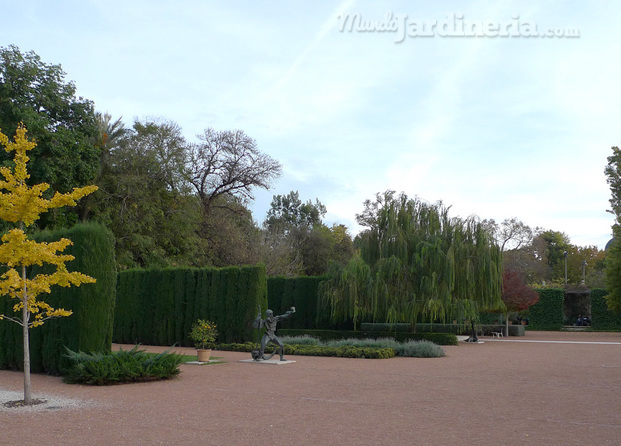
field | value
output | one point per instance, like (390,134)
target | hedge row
(601,318)
(89,328)
(159,306)
(547,313)
(299,292)
(314,350)
(329,335)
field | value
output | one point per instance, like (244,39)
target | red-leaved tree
(516,295)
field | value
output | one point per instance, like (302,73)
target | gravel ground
(564,390)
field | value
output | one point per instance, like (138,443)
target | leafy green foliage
(314,350)
(547,314)
(158,307)
(296,240)
(142,197)
(328,335)
(119,367)
(415,261)
(63,125)
(601,317)
(298,292)
(288,211)
(90,326)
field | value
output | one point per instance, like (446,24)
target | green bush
(159,306)
(89,328)
(327,335)
(603,319)
(547,313)
(314,350)
(299,292)
(419,349)
(120,367)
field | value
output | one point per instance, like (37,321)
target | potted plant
(203,334)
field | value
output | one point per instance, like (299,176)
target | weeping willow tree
(415,262)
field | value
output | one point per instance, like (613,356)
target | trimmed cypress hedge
(601,318)
(89,328)
(329,335)
(159,306)
(547,313)
(299,292)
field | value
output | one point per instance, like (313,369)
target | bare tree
(229,162)
(511,233)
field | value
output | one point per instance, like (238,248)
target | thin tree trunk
(507,324)
(25,321)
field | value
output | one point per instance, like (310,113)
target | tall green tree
(64,125)
(300,243)
(416,262)
(612,269)
(143,198)
(288,211)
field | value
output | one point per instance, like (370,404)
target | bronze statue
(269,323)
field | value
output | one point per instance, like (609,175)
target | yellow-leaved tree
(23,204)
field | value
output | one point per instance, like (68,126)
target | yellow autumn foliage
(24,204)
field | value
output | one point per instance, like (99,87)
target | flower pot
(203,354)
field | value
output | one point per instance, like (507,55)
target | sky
(499,109)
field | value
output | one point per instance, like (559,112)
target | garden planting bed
(503,391)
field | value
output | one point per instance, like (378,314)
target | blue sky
(497,126)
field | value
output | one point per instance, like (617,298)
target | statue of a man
(270,323)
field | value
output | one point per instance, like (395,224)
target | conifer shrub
(90,326)
(124,366)
(547,313)
(159,306)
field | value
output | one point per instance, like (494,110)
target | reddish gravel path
(495,393)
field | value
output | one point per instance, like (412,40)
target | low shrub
(416,349)
(123,366)
(300,340)
(317,350)
(420,349)
(329,335)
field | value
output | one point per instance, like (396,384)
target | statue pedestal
(267,361)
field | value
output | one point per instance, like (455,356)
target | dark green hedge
(547,313)
(89,328)
(159,306)
(329,335)
(314,350)
(299,292)
(601,318)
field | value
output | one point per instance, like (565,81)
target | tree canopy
(416,262)
(64,126)
(613,255)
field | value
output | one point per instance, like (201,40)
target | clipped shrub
(159,306)
(299,292)
(315,350)
(603,319)
(418,349)
(89,328)
(120,367)
(547,314)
